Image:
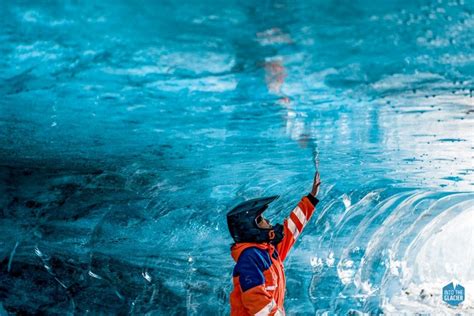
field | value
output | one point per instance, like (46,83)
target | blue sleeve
(250,266)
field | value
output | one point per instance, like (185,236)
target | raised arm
(299,217)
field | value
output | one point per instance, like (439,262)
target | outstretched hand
(316,184)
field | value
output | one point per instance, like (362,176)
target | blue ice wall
(129,128)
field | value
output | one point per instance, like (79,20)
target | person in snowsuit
(259,251)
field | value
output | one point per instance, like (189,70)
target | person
(259,251)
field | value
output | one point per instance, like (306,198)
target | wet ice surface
(128,130)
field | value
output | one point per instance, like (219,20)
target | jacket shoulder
(253,257)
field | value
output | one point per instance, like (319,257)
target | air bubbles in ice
(330,259)
(38,252)
(31,16)
(393,264)
(345,271)
(346,200)
(364,286)
(146,276)
(316,263)
(92,274)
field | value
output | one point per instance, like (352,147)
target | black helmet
(242,225)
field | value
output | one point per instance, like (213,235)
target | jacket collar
(238,248)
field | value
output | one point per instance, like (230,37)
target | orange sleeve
(295,223)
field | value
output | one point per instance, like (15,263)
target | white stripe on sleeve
(293,229)
(299,213)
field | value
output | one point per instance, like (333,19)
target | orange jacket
(259,276)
